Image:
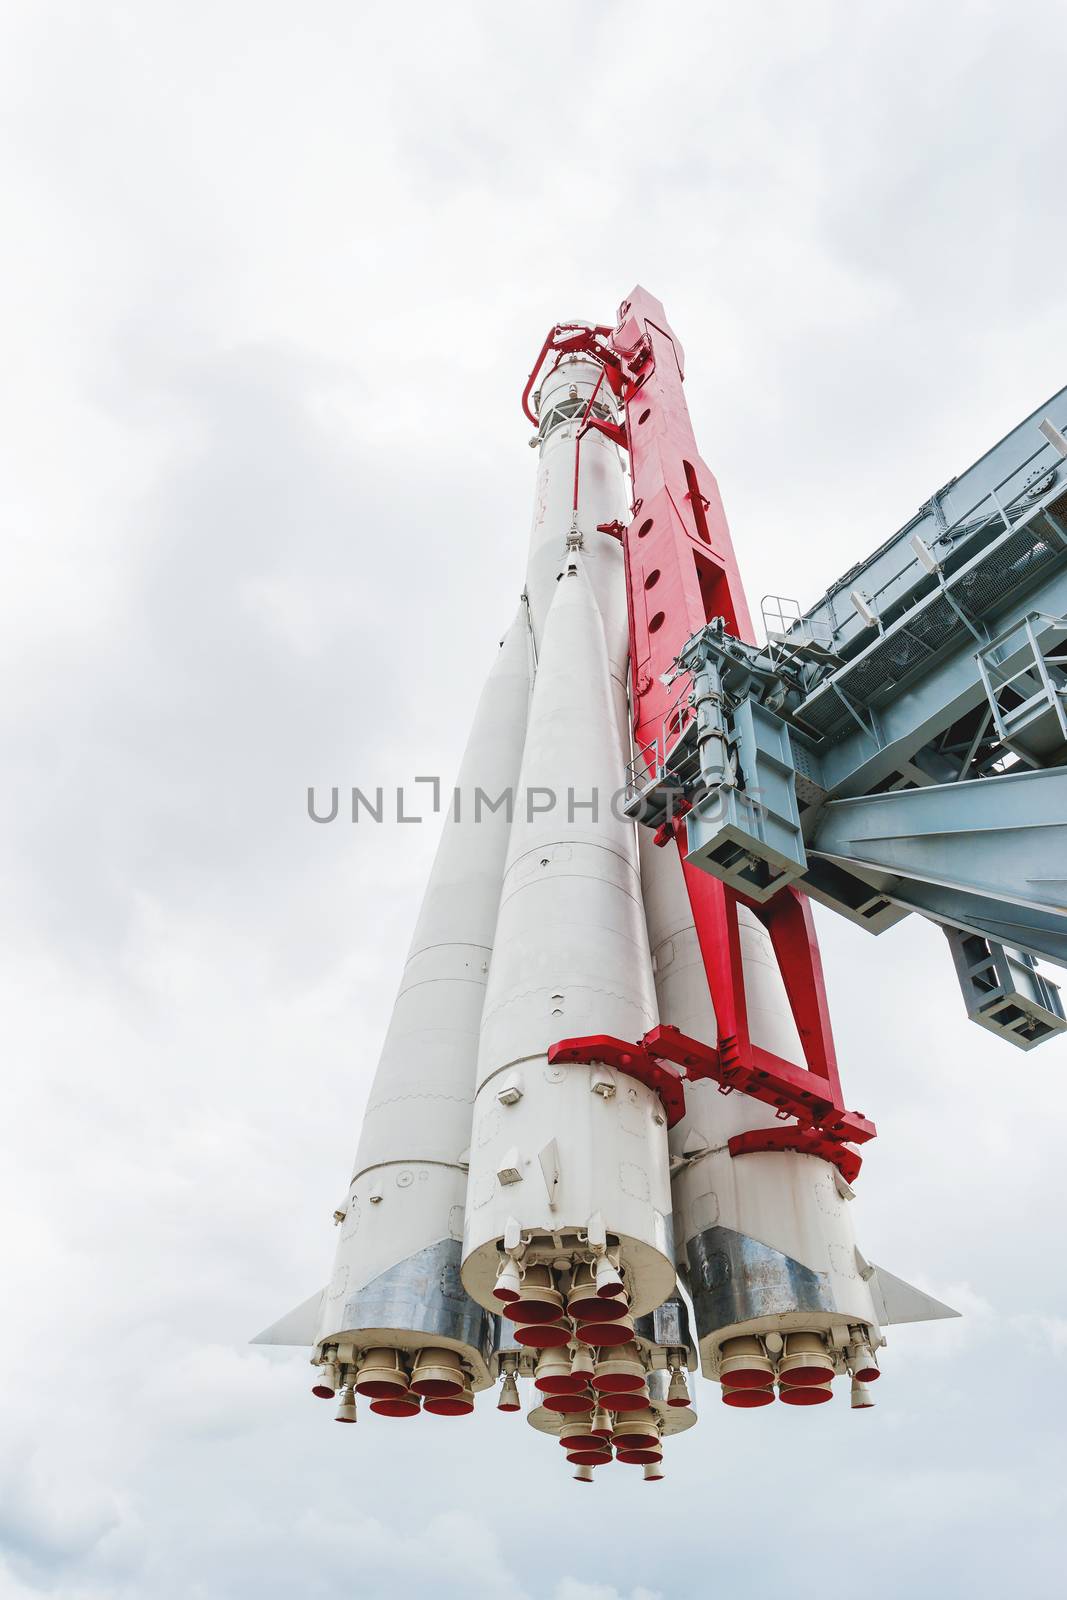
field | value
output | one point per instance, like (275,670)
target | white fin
(897,1301)
(298,1326)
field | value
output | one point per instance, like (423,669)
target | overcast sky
(273,277)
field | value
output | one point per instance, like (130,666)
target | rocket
(565,1173)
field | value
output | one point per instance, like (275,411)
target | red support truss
(681,573)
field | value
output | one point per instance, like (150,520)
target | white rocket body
(603,498)
(544,920)
(549,1153)
(396,1280)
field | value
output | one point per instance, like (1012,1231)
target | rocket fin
(896,1301)
(297,1327)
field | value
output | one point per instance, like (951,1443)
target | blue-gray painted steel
(954,517)
(1004,992)
(909,715)
(748,832)
(1003,838)
(1041,933)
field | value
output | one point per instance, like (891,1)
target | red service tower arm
(681,573)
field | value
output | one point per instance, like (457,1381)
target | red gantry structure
(681,574)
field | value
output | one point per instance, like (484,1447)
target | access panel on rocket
(548,1168)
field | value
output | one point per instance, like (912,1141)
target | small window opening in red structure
(696,500)
(714,591)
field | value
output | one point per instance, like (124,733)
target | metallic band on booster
(736,1279)
(424,1293)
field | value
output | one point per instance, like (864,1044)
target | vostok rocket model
(607,1107)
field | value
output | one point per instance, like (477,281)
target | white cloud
(276,279)
(575,1589)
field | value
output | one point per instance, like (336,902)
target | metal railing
(649,763)
(988,508)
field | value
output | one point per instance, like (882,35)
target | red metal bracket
(821,1131)
(631,1059)
(805,1141)
(615,431)
(667,831)
(792,1091)
(568,338)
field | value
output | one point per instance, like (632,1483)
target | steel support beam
(1039,933)
(950,688)
(974,854)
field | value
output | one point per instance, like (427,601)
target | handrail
(564,338)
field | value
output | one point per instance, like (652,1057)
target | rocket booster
(571,951)
(394,1298)
(765,1241)
(518,1209)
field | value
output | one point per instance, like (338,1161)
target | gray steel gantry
(902,745)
